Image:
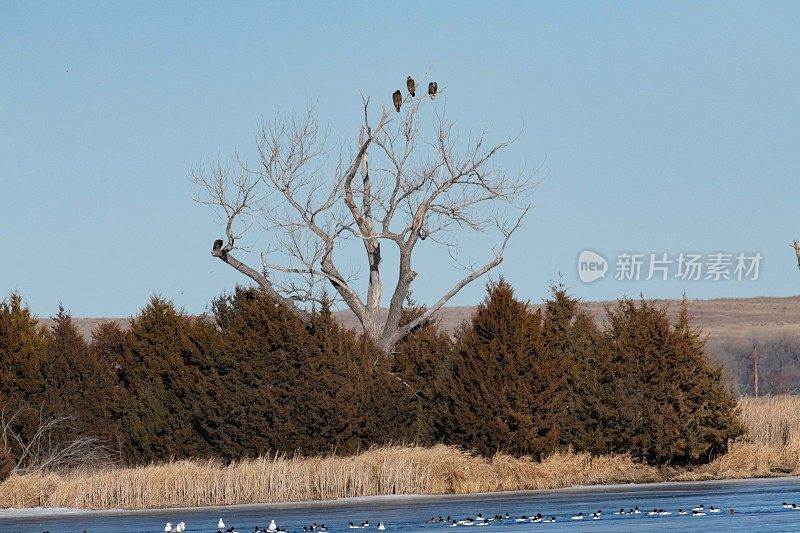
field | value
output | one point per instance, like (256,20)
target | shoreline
(770,450)
(388,472)
(607,488)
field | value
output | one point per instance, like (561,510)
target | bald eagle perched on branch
(432,88)
(397,99)
(412,87)
(217,245)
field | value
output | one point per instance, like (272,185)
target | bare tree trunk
(796,246)
(755,370)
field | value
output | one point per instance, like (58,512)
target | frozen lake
(757,505)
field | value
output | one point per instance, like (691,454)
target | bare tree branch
(42,451)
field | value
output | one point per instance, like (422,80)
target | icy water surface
(757,505)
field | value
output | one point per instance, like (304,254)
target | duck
(381,527)
(595,516)
(698,513)
(654,512)
(789,505)
(168,528)
(713,509)
(538,518)
(522,518)
(681,512)
(272,526)
(180,528)
(699,508)
(621,511)
(552,519)
(636,510)
(578,516)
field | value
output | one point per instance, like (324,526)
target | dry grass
(772,447)
(387,470)
(772,421)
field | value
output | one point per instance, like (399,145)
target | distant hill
(724,318)
(720,319)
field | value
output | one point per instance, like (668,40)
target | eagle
(432,88)
(412,87)
(217,245)
(397,98)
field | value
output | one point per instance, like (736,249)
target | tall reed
(385,470)
(772,444)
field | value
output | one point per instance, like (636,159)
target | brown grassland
(723,318)
(771,448)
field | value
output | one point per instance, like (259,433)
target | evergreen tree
(21,344)
(588,404)
(166,363)
(76,385)
(303,388)
(421,361)
(261,354)
(504,390)
(710,410)
(672,405)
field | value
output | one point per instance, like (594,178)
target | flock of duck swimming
(481,520)
(271,528)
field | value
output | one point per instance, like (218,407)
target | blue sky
(659,127)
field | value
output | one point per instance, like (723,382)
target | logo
(591,266)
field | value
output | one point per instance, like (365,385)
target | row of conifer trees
(253,379)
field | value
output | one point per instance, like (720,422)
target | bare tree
(405,182)
(43,451)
